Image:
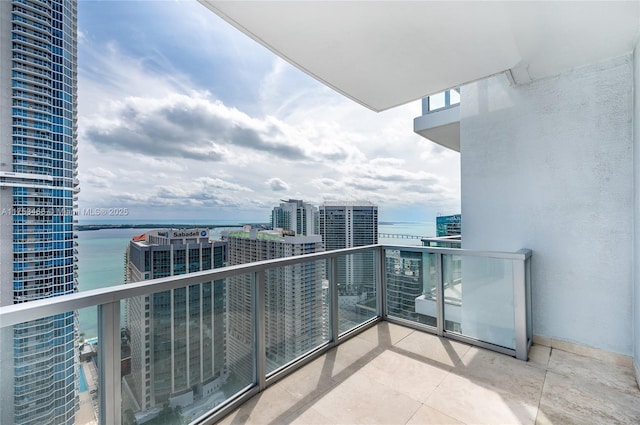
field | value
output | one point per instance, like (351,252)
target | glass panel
(296,312)
(411,286)
(444,99)
(454,96)
(189,349)
(478,298)
(357,289)
(436,101)
(40,374)
(88,377)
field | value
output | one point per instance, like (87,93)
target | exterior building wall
(548,166)
(38,145)
(636,210)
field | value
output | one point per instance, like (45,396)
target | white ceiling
(386,53)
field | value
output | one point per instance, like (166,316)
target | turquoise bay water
(100,264)
(101,258)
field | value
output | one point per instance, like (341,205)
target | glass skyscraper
(348,225)
(175,336)
(38,186)
(448,225)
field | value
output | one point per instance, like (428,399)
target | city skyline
(181,116)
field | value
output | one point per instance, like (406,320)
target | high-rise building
(448,225)
(175,335)
(347,225)
(38,186)
(405,283)
(296,215)
(295,297)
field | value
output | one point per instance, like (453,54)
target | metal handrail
(522,254)
(18,313)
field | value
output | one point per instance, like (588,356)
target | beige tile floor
(394,375)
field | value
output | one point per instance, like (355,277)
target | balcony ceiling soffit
(386,53)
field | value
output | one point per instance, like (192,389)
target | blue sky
(183,116)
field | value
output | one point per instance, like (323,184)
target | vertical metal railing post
(440,294)
(382,283)
(425,105)
(109,363)
(332,275)
(520,309)
(259,311)
(527,282)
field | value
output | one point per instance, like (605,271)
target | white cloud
(277,185)
(154,139)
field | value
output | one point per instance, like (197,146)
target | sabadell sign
(199,233)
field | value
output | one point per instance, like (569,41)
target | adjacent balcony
(440,120)
(454,241)
(378,334)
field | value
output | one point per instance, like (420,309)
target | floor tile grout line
(434,391)
(403,338)
(448,373)
(544,381)
(420,404)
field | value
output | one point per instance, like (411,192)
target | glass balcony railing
(454,241)
(190,348)
(439,101)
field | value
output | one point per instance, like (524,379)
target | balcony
(454,241)
(440,120)
(415,333)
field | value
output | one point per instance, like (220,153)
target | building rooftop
(265,235)
(169,236)
(393,374)
(348,204)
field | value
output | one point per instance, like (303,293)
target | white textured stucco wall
(549,166)
(636,226)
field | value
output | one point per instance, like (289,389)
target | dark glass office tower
(177,337)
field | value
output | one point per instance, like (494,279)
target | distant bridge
(400,236)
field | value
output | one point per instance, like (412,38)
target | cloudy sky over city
(181,116)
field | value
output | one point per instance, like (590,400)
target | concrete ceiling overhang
(386,53)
